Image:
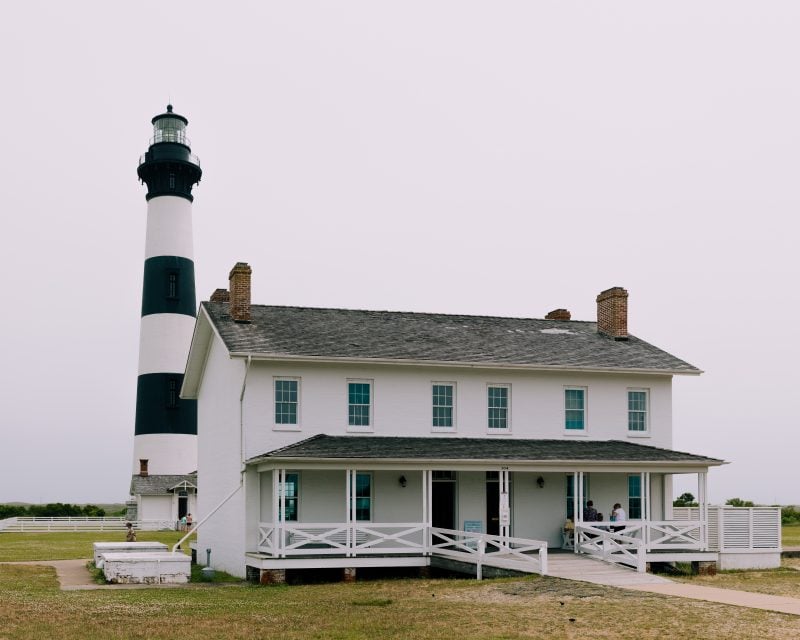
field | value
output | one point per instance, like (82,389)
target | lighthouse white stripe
(164,340)
(166,453)
(169,228)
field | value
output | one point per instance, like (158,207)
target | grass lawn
(32,606)
(778,582)
(790,535)
(70,545)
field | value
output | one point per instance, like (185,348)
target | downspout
(241,461)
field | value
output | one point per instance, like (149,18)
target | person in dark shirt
(590,513)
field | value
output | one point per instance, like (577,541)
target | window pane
(634,497)
(574,414)
(442,405)
(637,410)
(286,402)
(498,407)
(358,394)
(363,497)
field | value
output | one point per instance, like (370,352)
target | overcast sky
(494,158)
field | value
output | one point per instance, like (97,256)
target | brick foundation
(273,576)
(349,574)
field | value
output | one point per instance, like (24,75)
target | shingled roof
(325,447)
(159,485)
(303,332)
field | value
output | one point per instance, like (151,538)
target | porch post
(277,531)
(504,485)
(427,486)
(581,498)
(575,510)
(350,512)
(644,493)
(702,489)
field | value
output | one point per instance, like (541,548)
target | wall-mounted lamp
(540,482)
(402,480)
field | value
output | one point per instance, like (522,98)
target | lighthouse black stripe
(169,286)
(158,407)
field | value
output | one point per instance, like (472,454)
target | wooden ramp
(574,566)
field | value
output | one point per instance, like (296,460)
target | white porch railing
(621,547)
(738,528)
(670,534)
(392,538)
(520,554)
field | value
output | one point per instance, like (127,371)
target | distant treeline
(52,510)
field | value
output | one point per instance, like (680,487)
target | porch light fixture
(540,482)
(402,480)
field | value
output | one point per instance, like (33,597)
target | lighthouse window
(172,285)
(172,393)
(171,180)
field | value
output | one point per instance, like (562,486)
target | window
(571,494)
(363,497)
(172,393)
(359,403)
(575,409)
(172,284)
(443,405)
(172,181)
(637,410)
(292,493)
(286,400)
(498,406)
(634,497)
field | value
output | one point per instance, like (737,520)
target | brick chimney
(220,295)
(558,314)
(612,313)
(240,292)
(143,468)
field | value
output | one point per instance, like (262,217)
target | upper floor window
(575,409)
(286,401)
(443,405)
(498,405)
(637,410)
(359,403)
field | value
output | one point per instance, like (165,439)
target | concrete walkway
(74,576)
(573,566)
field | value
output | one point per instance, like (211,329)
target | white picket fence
(29,524)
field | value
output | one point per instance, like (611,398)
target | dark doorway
(183,504)
(444,500)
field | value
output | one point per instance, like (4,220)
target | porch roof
(429,449)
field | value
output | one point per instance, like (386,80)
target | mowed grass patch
(784,581)
(790,535)
(19,547)
(31,606)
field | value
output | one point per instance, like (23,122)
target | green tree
(738,502)
(684,500)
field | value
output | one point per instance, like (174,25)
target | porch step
(572,566)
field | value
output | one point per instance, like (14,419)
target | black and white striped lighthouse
(165,442)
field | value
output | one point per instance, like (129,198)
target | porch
(402,501)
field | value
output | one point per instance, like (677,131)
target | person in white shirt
(618,515)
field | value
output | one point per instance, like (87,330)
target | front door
(444,500)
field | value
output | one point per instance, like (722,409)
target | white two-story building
(341,438)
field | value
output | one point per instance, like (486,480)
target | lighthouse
(165,441)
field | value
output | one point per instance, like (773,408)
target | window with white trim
(634,497)
(498,402)
(637,410)
(443,405)
(359,403)
(575,409)
(287,401)
(291,496)
(363,497)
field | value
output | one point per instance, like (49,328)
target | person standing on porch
(590,513)
(618,515)
(189,522)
